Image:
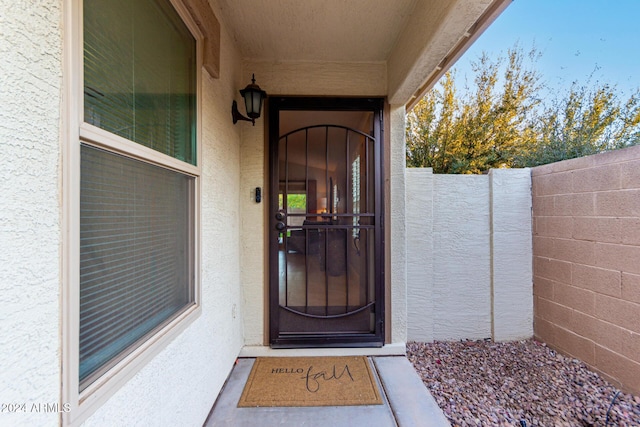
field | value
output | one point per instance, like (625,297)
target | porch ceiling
(417,39)
(316,30)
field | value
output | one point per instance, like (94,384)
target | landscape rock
(520,383)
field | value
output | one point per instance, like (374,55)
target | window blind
(135,254)
(140,74)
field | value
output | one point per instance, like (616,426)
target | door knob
(280,215)
(280,226)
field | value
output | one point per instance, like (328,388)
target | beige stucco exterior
(302,79)
(38,97)
(30,229)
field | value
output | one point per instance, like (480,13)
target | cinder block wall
(587,261)
(469,255)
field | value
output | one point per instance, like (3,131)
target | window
(136,220)
(135,269)
(133,264)
(139,74)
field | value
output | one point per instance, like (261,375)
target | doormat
(310,381)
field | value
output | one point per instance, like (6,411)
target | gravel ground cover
(523,383)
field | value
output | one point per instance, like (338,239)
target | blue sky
(574,37)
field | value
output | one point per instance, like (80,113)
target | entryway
(325,232)
(407,403)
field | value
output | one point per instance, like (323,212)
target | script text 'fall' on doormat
(310,381)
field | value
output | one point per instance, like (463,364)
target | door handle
(280,215)
(280,226)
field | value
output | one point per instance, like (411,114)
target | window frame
(76,132)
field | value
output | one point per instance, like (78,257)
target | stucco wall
(426,39)
(511,257)
(469,255)
(420,255)
(461,257)
(314,79)
(30,88)
(253,223)
(180,384)
(396,244)
(587,261)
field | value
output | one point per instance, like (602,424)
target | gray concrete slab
(407,403)
(410,400)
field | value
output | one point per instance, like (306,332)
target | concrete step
(407,403)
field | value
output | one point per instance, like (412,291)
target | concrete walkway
(407,403)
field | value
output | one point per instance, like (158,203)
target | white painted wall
(461,257)
(420,253)
(512,255)
(396,203)
(30,98)
(469,255)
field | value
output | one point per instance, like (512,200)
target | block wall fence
(586,257)
(469,255)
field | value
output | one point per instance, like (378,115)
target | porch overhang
(416,40)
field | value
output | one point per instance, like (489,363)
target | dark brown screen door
(325,230)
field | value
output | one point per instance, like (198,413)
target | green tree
(431,135)
(482,129)
(585,121)
(505,121)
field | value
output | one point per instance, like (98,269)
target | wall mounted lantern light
(253,97)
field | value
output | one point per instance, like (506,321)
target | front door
(325,230)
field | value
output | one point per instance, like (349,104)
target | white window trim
(83,404)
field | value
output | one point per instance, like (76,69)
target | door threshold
(393,349)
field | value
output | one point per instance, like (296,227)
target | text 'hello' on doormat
(310,381)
